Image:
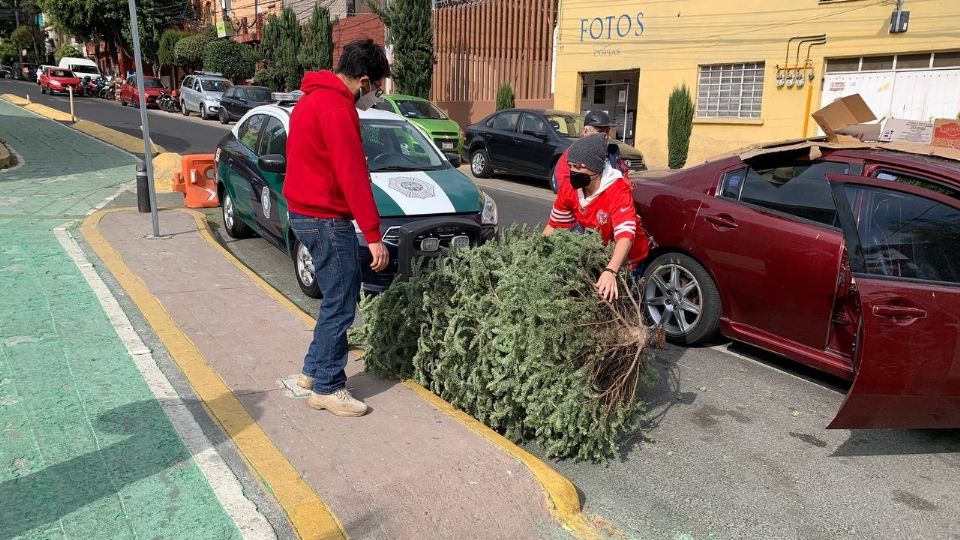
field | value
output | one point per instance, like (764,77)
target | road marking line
(229,491)
(310,517)
(725,349)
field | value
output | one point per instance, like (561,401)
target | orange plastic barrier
(197,180)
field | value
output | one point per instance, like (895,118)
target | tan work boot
(306,382)
(340,403)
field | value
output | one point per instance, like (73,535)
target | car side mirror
(274,163)
(453,158)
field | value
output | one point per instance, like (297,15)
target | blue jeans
(333,245)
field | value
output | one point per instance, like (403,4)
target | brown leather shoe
(306,382)
(340,403)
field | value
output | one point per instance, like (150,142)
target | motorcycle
(169,102)
(89,86)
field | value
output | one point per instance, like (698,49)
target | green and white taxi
(413,182)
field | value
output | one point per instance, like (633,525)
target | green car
(445,132)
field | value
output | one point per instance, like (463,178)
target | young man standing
(597,197)
(327,186)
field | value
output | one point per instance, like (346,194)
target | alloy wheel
(673,299)
(305,269)
(478,163)
(228,216)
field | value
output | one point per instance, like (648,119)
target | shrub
(505,97)
(317,51)
(282,40)
(188,52)
(166,51)
(410,31)
(513,333)
(65,50)
(679,126)
(234,60)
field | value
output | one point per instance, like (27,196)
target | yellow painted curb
(562,497)
(131,144)
(308,515)
(49,112)
(15,99)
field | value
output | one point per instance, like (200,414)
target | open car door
(904,247)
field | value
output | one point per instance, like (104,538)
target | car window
(798,189)
(914,180)
(152,83)
(383,105)
(397,145)
(232,92)
(215,85)
(490,121)
(907,236)
(250,130)
(196,85)
(188,82)
(566,125)
(420,109)
(257,94)
(274,139)
(506,121)
(533,125)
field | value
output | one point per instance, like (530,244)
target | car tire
(224,119)
(303,270)
(232,223)
(676,279)
(123,102)
(183,108)
(203,112)
(480,163)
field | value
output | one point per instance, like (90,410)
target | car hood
(437,126)
(66,80)
(419,193)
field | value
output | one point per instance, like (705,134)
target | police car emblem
(410,187)
(265,201)
(602,217)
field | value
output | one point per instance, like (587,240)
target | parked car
(24,71)
(444,131)
(201,93)
(239,100)
(849,263)
(81,67)
(6,72)
(58,80)
(412,182)
(529,142)
(153,88)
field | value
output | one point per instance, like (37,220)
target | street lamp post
(147,147)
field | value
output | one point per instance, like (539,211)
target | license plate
(447,146)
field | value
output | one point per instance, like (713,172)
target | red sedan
(153,87)
(847,260)
(54,80)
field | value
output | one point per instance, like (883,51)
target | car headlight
(489,215)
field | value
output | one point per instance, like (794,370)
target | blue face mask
(579,180)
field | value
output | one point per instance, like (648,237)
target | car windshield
(214,85)
(397,146)
(566,125)
(420,109)
(85,69)
(60,73)
(258,94)
(152,83)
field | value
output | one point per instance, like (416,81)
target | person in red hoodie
(327,187)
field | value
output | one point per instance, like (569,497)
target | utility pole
(147,147)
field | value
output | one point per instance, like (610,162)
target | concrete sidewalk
(406,470)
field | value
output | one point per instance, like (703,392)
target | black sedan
(238,100)
(529,142)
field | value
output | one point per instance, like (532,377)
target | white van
(81,67)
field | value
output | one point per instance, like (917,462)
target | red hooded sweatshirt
(327,174)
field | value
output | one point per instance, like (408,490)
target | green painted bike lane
(86,450)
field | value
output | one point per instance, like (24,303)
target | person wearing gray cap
(598,197)
(594,122)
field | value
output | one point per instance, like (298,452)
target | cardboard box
(946,133)
(910,131)
(842,119)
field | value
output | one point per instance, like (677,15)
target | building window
(946,59)
(599,92)
(730,90)
(877,63)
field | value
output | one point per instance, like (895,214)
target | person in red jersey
(598,197)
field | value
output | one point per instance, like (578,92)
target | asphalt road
(174,132)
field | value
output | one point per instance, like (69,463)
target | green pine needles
(513,333)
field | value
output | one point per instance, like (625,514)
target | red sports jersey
(609,211)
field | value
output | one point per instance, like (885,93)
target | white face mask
(367,100)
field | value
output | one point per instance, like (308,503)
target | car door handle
(722,221)
(899,312)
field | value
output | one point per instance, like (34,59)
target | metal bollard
(143,189)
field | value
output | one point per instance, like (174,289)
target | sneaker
(340,403)
(306,382)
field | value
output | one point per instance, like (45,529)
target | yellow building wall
(678,36)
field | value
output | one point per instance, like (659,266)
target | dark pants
(333,245)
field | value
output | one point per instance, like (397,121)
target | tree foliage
(30,38)
(317,52)
(188,52)
(410,31)
(505,98)
(65,50)
(279,48)
(8,53)
(166,53)
(679,126)
(513,333)
(234,60)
